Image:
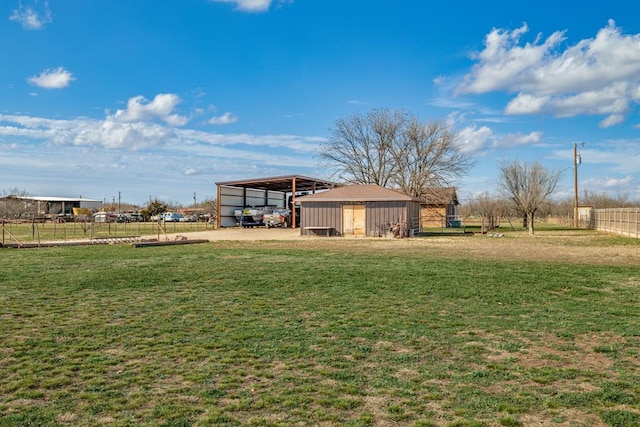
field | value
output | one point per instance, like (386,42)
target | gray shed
(365,210)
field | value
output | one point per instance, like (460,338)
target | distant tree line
(488,205)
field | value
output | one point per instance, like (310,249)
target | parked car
(104,217)
(122,218)
(136,217)
(129,217)
(188,218)
(171,217)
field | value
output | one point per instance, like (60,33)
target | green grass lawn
(300,333)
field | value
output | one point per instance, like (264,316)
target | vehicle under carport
(278,192)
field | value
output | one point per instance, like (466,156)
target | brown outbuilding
(439,208)
(359,210)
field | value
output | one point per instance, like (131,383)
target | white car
(171,217)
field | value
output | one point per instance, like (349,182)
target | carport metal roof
(281,183)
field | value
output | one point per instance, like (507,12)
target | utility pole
(576,161)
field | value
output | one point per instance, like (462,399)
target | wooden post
(293,203)
(576,161)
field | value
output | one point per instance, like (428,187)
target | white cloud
(249,5)
(360,103)
(457,103)
(600,75)
(198,92)
(526,103)
(613,100)
(440,80)
(103,156)
(609,182)
(612,120)
(31,18)
(474,140)
(87,132)
(113,134)
(302,144)
(517,139)
(225,119)
(54,78)
(480,140)
(139,109)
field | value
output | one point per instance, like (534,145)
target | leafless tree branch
(394,149)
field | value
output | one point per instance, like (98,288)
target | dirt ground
(568,246)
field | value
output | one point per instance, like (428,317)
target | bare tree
(527,186)
(394,149)
(427,156)
(604,200)
(487,206)
(12,206)
(210,207)
(360,146)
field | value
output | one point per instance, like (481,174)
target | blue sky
(163,98)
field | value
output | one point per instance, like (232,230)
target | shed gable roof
(440,196)
(358,193)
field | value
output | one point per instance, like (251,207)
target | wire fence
(623,221)
(22,231)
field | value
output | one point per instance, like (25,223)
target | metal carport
(230,191)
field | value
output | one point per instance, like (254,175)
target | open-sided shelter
(366,210)
(45,206)
(278,191)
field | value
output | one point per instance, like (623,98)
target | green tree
(155,207)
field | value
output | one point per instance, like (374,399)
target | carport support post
(293,203)
(218,209)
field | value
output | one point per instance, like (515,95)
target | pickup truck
(277,218)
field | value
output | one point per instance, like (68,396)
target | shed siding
(321,214)
(378,215)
